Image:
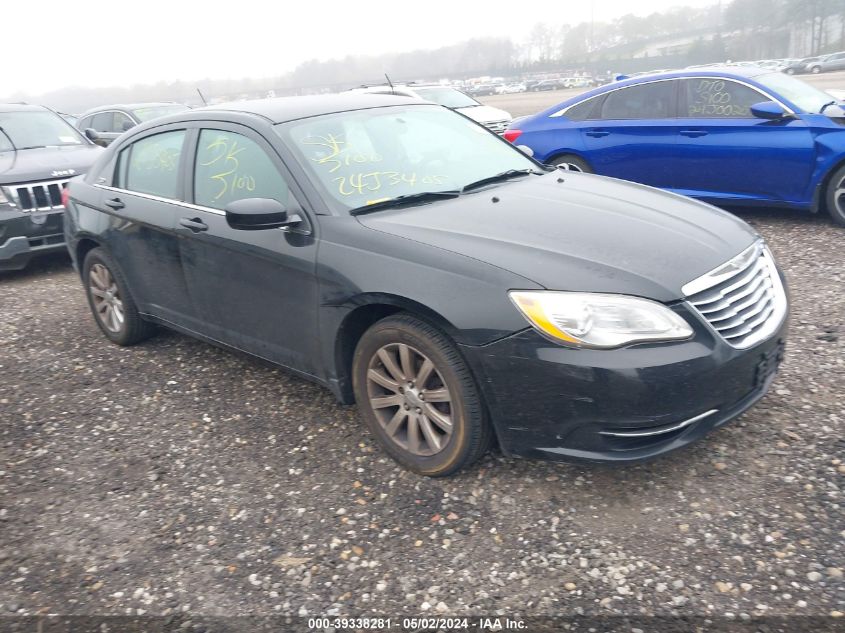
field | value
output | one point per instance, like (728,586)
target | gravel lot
(174,477)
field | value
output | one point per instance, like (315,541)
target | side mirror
(92,135)
(257,214)
(768,110)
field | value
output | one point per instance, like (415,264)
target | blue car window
(715,98)
(642,101)
(584,110)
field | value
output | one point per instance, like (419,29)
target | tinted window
(103,122)
(643,101)
(719,99)
(122,122)
(230,167)
(151,165)
(581,111)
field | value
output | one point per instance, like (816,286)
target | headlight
(602,321)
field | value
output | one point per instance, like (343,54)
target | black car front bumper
(551,402)
(24,235)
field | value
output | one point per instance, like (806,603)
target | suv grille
(498,127)
(743,300)
(37,196)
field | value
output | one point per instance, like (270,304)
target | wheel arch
(84,245)
(820,202)
(366,311)
(553,156)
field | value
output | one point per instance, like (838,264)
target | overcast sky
(99,43)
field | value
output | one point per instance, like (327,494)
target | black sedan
(417,264)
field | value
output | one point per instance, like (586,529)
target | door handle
(115,203)
(194,224)
(693,133)
(597,133)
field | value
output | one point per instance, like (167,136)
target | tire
(111,302)
(790,71)
(816,70)
(834,196)
(569,162)
(409,428)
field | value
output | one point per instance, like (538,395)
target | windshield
(367,156)
(153,112)
(448,97)
(28,129)
(802,94)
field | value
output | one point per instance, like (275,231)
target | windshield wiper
(410,198)
(827,105)
(505,175)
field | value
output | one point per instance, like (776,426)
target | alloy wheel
(410,399)
(105,295)
(569,167)
(839,197)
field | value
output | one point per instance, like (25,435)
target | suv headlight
(601,321)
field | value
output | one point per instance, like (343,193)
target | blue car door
(726,153)
(632,133)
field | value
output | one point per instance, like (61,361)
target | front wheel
(418,398)
(835,196)
(572,163)
(111,303)
(816,70)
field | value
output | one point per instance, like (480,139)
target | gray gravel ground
(175,477)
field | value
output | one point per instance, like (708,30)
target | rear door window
(151,165)
(642,101)
(103,122)
(714,98)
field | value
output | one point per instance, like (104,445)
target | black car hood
(588,233)
(28,165)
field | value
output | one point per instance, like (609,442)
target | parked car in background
(70,118)
(416,264)
(482,90)
(827,63)
(547,84)
(730,136)
(797,66)
(515,88)
(39,153)
(494,119)
(109,122)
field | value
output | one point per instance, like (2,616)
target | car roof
(281,109)
(724,72)
(128,106)
(21,107)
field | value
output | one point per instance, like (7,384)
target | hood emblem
(63,172)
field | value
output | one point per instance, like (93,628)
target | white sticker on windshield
(67,139)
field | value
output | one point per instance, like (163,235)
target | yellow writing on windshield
(359,183)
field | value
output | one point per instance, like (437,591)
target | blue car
(730,136)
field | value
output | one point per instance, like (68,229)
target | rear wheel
(569,162)
(111,303)
(418,398)
(835,196)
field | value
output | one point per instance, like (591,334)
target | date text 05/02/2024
(416,623)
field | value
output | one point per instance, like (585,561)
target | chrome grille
(37,196)
(498,127)
(743,300)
